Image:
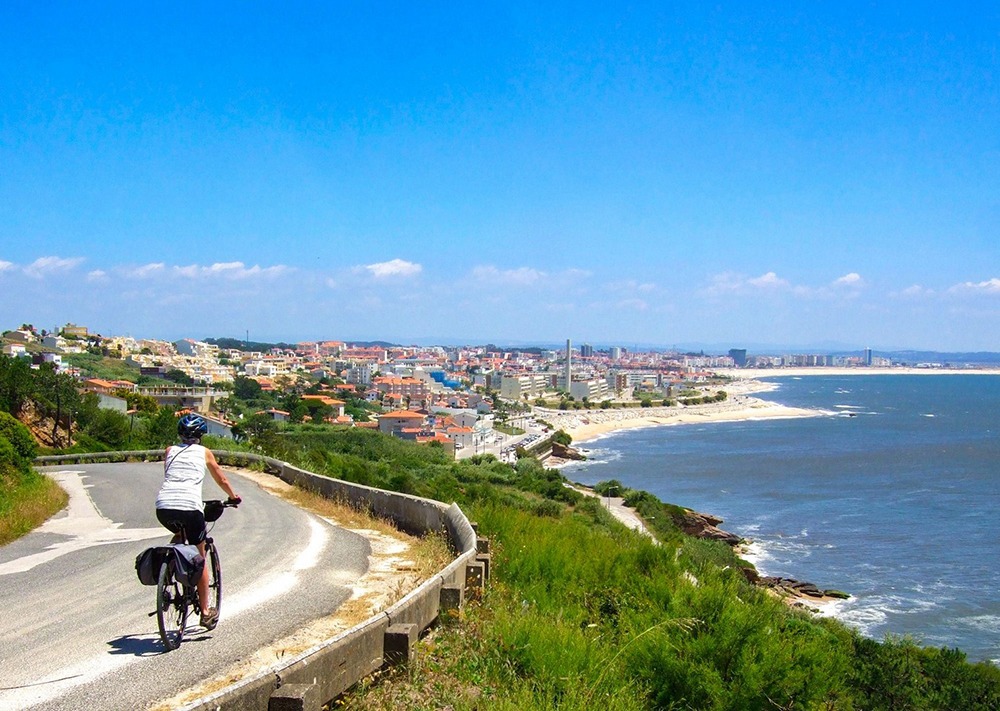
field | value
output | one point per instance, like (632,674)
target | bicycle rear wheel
(171,607)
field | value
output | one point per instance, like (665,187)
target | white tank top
(184,472)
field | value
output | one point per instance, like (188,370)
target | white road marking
(285,581)
(63,680)
(59,682)
(83,524)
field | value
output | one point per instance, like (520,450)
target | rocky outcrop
(43,428)
(790,587)
(562,451)
(700,525)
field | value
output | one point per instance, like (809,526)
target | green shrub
(23,444)
(548,508)
(611,487)
(110,428)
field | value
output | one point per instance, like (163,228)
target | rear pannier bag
(188,563)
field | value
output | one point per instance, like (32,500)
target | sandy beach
(584,425)
(758,373)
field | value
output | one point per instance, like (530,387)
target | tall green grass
(583,614)
(26,503)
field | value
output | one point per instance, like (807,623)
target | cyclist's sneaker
(210,619)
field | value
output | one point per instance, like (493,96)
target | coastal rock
(795,588)
(562,451)
(702,525)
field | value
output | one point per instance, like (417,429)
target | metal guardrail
(318,675)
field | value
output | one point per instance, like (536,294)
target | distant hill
(255,346)
(238,344)
(371,344)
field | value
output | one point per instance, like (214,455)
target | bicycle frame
(174,600)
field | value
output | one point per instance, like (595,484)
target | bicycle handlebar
(227,504)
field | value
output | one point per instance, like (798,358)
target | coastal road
(74,626)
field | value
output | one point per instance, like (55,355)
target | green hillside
(582,612)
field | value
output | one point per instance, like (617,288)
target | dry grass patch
(398,563)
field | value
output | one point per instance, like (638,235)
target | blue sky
(506,172)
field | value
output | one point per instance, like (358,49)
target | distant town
(470,399)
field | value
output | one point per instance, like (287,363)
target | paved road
(74,626)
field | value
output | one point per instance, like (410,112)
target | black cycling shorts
(192,523)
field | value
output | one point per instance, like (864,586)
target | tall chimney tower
(569,363)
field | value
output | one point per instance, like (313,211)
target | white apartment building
(265,368)
(516,387)
(362,373)
(595,389)
(189,347)
(625,380)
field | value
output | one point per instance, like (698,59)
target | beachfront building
(593,389)
(809,360)
(621,380)
(530,385)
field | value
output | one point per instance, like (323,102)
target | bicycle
(175,599)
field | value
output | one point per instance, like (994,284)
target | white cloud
(220,270)
(914,292)
(733,283)
(768,281)
(145,271)
(988,287)
(50,265)
(5,266)
(850,280)
(97,275)
(394,268)
(567,280)
(848,286)
(191,271)
(522,276)
(230,270)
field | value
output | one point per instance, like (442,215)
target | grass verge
(582,614)
(26,503)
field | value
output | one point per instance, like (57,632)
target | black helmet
(192,426)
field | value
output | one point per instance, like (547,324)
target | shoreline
(800,372)
(585,426)
(791,592)
(588,425)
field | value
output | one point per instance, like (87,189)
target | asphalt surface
(74,626)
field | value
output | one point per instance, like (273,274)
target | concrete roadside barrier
(315,677)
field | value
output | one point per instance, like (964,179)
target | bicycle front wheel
(215,577)
(171,607)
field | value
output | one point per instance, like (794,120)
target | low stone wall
(319,675)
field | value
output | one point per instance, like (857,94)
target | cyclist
(179,506)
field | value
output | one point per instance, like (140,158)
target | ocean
(893,499)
